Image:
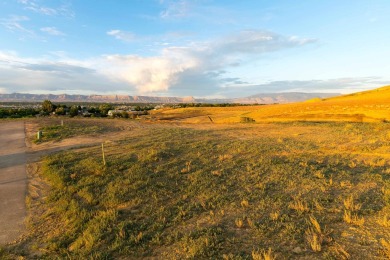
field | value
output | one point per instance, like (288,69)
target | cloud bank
(198,60)
(198,69)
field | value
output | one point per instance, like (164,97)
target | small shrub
(349,204)
(263,255)
(314,235)
(247,120)
(386,247)
(313,239)
(353,219)
(384,221)
(244,203)
(239,222)
(274,216)
(299,206)
(315,224)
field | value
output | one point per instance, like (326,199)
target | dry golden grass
(307,190)
(368,106)
(314,190)
(263,255)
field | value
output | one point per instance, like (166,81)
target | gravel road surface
(13,180)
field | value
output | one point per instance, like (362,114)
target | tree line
(47,108)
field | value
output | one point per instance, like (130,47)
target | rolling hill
(367,106)
(375,95)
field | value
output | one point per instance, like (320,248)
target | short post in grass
(104,159)
(39,135)
(62,122)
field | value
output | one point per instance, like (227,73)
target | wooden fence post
(104,159)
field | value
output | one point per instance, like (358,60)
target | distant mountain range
(288,97)
(19,97)
(265,98)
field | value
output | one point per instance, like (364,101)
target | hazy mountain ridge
(288,97)
(265,98)
(21,97)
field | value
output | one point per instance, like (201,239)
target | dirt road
(13,180)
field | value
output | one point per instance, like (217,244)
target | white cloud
(176,9)
(122,35)
(34,6)
(161,72)
(197,68)
(14,24)
(177,71)
(255,41)
(337,85)
(149,74)
(42,76)
(52,31)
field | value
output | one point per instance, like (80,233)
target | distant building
(113,112)
(138,112)
(130,113)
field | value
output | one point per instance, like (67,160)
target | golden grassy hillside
(379,94)
(367,106)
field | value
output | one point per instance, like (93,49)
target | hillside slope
(375,95)
(367,106)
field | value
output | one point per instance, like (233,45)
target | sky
(200,48)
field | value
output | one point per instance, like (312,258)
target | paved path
(13,180)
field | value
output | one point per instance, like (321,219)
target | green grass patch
(179,193)
(57,132)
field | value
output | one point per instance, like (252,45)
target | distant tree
(125,114)
(92,110)
(74,111)
(60,111)
(104,108)
(3,113)
(47,106)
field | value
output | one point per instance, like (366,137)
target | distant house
(113,112)
(134,114)
(86,114)
(138,112)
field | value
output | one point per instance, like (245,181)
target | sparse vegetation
(294,188)
(227,192)
(370,106)
(53,130)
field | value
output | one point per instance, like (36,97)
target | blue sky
(200,48)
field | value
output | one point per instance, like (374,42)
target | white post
(104,160)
